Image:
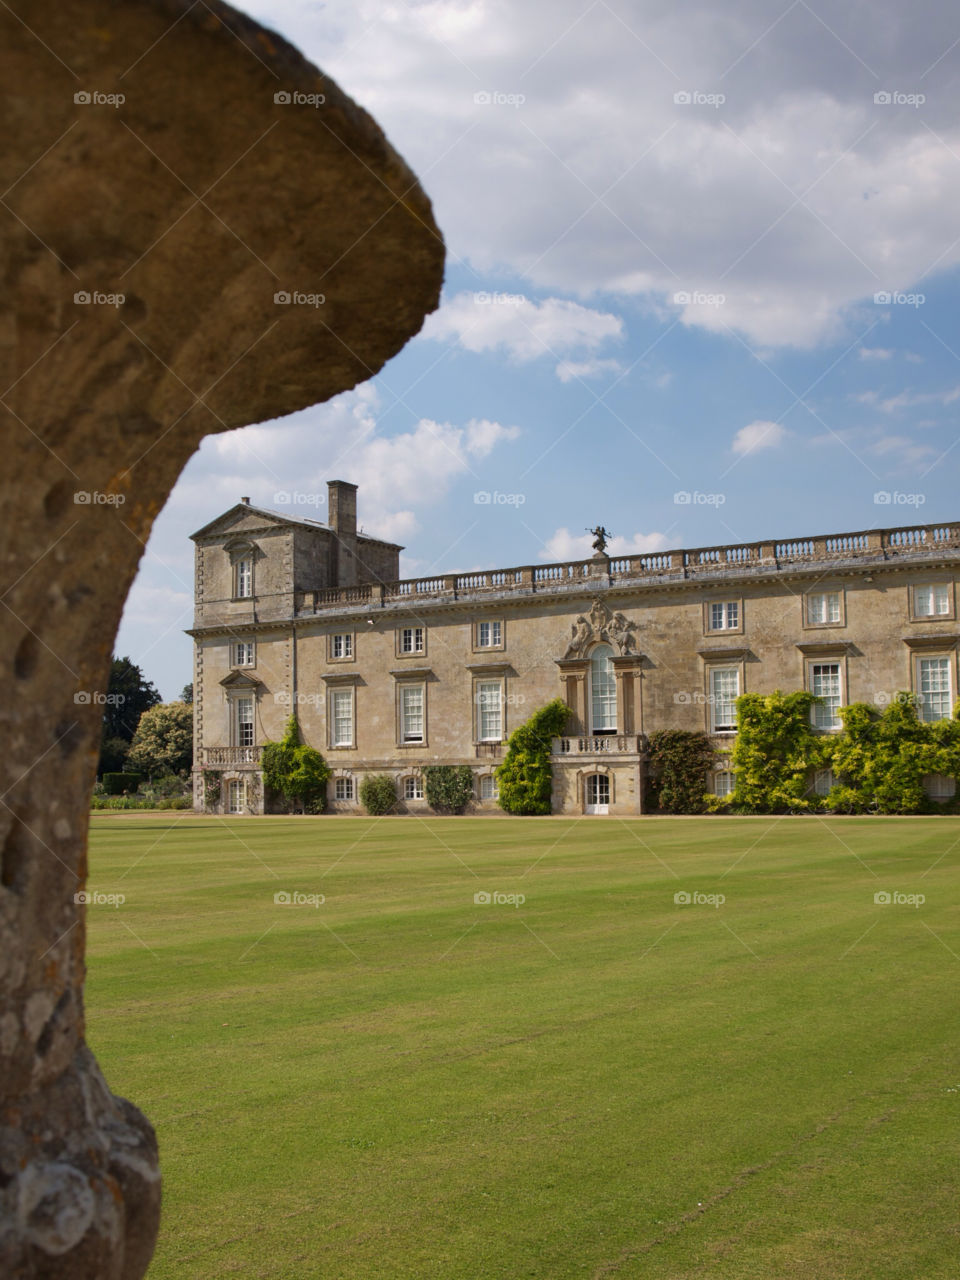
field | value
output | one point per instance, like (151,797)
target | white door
(598,793)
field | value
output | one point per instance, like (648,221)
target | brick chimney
(342,521)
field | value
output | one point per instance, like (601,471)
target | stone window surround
(838,653)
(822,589)
(419,677)
(410,653)
(725,659)
(708,630)
(949,616)
(242,549)
(349,657)
(336,683)
(933,647)
(477,647)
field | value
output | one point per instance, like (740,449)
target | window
(341,646)
(725,615)
(603,690)
(411,713)
(243,579)
(341,717)
(243,654)
(724,691)
(411,640)
(488,635)
(939,786)
(825,684)
(489,787)
(244,722)
(237,795)
(822,781)
(413,788)
(343,789)
(932,601)
(489,710)
(724,782)
(933,685)
(823,608)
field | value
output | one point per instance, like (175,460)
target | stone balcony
(232,757)
(604,744)
(869,547)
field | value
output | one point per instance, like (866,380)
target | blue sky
(668,226)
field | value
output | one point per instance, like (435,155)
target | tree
(187,694)
(295,771)
(163,742)
(525,777)
(129,694)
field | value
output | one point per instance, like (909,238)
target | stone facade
(388,676)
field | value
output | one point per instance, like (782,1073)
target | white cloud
(876,353)
(759,435)
(523,329)
(798,197)
(909,399)
(567,370)
(564,545)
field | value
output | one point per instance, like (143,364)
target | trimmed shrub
(525,776)
(115,784)
(448,788)
(378,794)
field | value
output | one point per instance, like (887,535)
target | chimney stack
(342,522)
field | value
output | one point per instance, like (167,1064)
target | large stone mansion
(388,675)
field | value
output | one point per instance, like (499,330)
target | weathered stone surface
(198,198)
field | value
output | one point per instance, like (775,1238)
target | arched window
(603,691)
(489,787)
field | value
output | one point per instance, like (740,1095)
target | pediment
(244,519)
(239,682)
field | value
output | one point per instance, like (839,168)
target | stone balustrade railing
(597,744)
(231,756)
(699,562)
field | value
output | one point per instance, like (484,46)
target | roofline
(298,522)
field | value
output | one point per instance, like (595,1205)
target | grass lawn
(598,1082)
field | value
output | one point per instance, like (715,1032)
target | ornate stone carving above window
(602,626)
